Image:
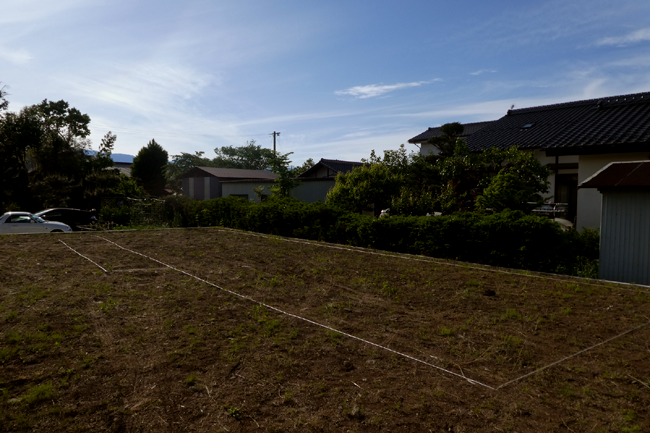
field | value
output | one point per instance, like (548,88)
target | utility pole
(274,135)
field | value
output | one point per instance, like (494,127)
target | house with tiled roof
(574,140)
(422,140)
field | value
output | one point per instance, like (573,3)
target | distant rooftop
(231,173)
(468,129)
(335,165)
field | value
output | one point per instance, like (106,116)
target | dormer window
(527,126)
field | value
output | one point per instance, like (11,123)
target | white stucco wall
(589,199)
(426,149)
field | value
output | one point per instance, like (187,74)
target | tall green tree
(373,186)
(446,143)
(20,134)
(58,161)
(45,159)
(4,103)
(149,168)
(300,169)
(251,156)
(411,184)
(286,182)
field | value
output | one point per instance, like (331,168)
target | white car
(24,222)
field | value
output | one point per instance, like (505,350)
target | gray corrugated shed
(625,221)
(625,236)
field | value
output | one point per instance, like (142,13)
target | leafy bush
(120,216)
(508,238)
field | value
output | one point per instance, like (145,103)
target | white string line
(431,260)
(571,356)
(73,250)
(301,318)
(453,264)
(523,273)
(377,345)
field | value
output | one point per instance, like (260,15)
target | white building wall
(589,199)
(426,149)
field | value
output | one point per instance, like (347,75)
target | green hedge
(509,238)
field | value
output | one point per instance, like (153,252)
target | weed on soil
(142,347)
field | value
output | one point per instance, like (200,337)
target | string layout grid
(354,337)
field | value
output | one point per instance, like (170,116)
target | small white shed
(624,221)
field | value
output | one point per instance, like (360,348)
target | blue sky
(336,78)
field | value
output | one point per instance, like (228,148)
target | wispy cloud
(19,56)
(372,90)
(637,36)
(483,71)
(145,88)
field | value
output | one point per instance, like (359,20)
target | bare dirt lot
(140,347)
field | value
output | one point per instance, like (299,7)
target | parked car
(75,218)
(24,222)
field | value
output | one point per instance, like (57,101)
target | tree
(45,160)
(365,188)
(446,143)
(251,156)
(300,169)
(373,186)
(128,187)
(507,191)
(286,182)
(411,184)
(19,134)
(100,179)
(149,167)
(4,104)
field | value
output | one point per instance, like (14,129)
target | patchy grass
(143,348)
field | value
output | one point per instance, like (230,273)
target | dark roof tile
(614,121)
(468,129)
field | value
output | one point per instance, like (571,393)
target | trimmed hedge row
(509,238)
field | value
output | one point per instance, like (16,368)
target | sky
(337,79)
